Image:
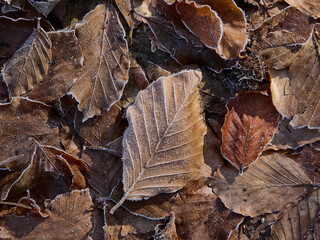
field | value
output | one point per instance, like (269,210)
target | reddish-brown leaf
(249,126)
(309,7)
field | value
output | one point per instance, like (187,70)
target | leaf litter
(162,119)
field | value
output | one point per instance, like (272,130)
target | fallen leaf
(266,186)
(201,215)
(64,68)
(289,137)
(30,63)
(45,6)
(163,143)
(281,36)
(70,214)
(21,121)
(298,220)
(249,126)
(296,96)
(106,62)
(169,232)
(308,7)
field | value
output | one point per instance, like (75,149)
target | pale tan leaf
(106,61)
(29,64)
(298,220)
(163,145)
(269,184)
(44,6)
(309,7)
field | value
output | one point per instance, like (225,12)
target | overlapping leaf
(249,126)
(163,143)
(266,186)
(106,63)
(309,7)
(27,67)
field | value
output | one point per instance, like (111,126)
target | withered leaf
(201,215)
(281,36)
(298,220)
(266,186)
(169,232)
(202,22)
(289,137)
(21,121)
(64,69)
(106,61)
(163,145)
(69,217)
(27,67)
(249,126)
(296,95)
(44,6)
(309,7)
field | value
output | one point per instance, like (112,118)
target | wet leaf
(308,7)
(163,143)
(106,63)
(266,186)
(249,126)
(22,121)
(298,220)
(30,63)
(64,68)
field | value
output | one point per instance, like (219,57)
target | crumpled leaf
(106,62)
(45,6)
(281,36)
(21,121)
(163,143)
(30,63)
(249,126)
(169,232)
(298,220)
(297,94)
(309,7)
(289,137)
(201,215)
(69,217)
(64,68)
(266,186)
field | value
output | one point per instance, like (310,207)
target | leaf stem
(115,207)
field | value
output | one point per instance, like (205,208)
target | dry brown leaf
(201,215)
(30,63)
(65,67)
(106,62)
(309,7)
(289,137)
(169,232)
(201,21)
(249,126)
(281,36)
(184,52)
(163,145)
(266,186)
(297,94)
(44,6)
(124,225)
(298,220)
(69,217)
(21,121)
(7,179)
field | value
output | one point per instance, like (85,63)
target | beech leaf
(309,7)
(298,220)
(27,67)
(106,61)
(44,6)
(266,186)
(163,145)
(249,126)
